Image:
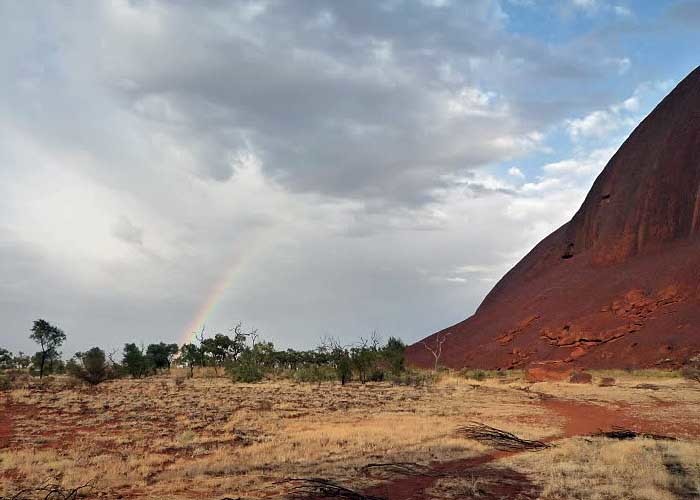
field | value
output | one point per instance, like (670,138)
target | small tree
(393,353)
(246,368)
(90,366)
(134,361)
(160,355)
(332,351)
(49,338)
(364,357)
(7,361)
(435,347)
(189,356)
(22,361)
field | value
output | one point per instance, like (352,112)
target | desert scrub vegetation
(598,468)
(209,437)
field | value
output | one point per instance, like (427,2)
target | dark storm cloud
(339,98)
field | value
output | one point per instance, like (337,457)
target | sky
(307,168)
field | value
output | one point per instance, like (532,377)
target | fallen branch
(322,488)
(49,491)
(622,434)
(501,440)
(402,468)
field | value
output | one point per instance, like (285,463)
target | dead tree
(436,348)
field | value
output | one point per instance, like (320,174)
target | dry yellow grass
(209,438)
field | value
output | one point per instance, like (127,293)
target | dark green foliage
(90,366)
(314,373)
(134,361)
(7,360)
(393,353)
(22,361)
(160,356)
(49,338)
(51,360)
(189,356)
(246,368)
(343,367)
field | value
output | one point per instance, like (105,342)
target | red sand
(580,419)
(619,284)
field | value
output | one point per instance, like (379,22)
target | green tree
(49,338)
(22,361)
(90,366)
(246,368)
(161,355)
(7,361)
(189,356)
(222,348)
(393,353)
(134,361)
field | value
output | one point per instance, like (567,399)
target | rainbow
(218,292)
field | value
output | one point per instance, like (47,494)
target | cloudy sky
(309,168)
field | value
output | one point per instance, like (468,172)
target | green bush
(90,366)
(314,374)
(246,369)
(416,378)
(377,375)
(5,383)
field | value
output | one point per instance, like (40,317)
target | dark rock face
(619,284)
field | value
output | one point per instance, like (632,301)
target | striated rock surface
(619,284)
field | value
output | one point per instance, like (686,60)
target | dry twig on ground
(499,439)
(49,491)
(621,434)
(322,488)
(401,468)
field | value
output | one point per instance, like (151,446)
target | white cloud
(604,123)
(516,172)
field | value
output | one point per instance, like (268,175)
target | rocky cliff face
(619,284)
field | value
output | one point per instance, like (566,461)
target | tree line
(239,354)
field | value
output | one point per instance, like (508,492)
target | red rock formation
(619,284)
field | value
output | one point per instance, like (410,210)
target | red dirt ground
(5,423)
(581,419)
(617,285)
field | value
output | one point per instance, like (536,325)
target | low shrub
(416,378)
(691,370)
(473,374)
(5,383)
(246,369)
(314,374)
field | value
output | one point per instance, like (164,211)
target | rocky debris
(617,285)
(510,335)
(607,382)
(548,372)
(581,377)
